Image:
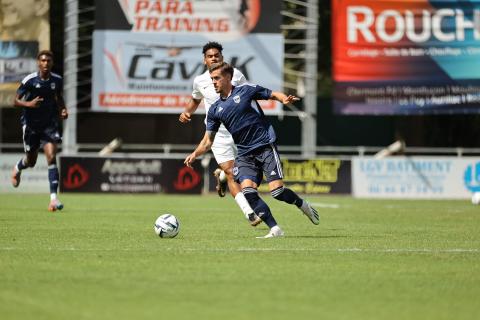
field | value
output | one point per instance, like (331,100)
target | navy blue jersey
(33,86)
(243,117)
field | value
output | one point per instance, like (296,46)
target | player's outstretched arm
(283,98)
(202,148)
(190,109)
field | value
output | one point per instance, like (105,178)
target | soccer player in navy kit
(40,97)
(224,149)
(255,138)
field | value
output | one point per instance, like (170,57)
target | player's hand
(64,113)
(190,159)
(185,117)
(290,99)
(35,103)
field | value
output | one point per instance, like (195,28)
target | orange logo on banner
(76,177)
(187,179)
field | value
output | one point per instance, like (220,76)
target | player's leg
(236,192)
(28,161)
(31,143)
(261,208)
(225,151)
(220,181)
(50,138)
(50,150)
(282,193)
(249,177)
(227,168)
(274,173)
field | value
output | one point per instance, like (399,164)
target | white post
(309,124)
(69,145)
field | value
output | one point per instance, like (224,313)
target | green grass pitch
(99,258)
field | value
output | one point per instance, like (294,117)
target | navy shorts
(34,139)
(264,161)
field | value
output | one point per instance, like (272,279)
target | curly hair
(212,45)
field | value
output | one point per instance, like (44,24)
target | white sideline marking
(359,250)
(325,205)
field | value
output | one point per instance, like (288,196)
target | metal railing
(179,150)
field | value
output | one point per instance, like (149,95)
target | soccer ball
(476,198)
(166,226)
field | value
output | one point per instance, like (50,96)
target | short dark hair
(45,53)
(212,45)
(224,67)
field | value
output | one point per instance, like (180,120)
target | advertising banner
(129,175)
(416,177)
(155,72)
(145,60)
(220,18)
(17,60)
(316,176)
(406,57)
(24,30)
(34,180)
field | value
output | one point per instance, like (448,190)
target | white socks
(243,204)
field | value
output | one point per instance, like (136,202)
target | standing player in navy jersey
(255,138)
(40,97)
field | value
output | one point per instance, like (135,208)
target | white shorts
(223,148)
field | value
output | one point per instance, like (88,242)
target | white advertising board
(415,177)
(146,53)
(145,72)
(34,180)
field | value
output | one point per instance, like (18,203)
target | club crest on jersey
(37,85)
(236,99)
(52,85)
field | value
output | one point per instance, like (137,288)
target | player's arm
(62,109)
(202,148)
(283,98)
(35,103)
(186,116)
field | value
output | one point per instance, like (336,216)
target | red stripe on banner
(142,100)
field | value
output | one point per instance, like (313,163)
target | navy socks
(287,195)
(259,206)
(53,177)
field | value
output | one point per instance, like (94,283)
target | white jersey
(203,89)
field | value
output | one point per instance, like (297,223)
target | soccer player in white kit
(223,148)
